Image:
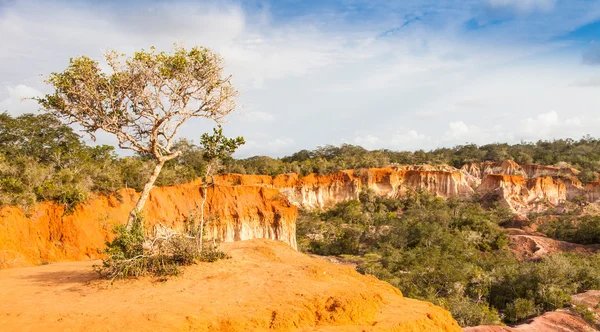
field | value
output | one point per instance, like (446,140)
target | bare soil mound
(265,286)
(534,246)
(554,321)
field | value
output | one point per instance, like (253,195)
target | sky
(401,75)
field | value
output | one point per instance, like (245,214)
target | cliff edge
(48,233)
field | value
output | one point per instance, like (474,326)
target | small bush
(584,312)
(131,254)
(519,310)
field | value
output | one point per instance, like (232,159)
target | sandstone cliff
(264,286)
(324,191)
(523,189)
(256,206)
(47,233)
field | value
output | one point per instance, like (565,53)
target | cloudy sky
(402,75)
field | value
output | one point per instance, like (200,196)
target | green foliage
(52,163)
(217,146)
(131,254)
(519,310)
(584,312)
(579,229)
(583,155)
(452,253)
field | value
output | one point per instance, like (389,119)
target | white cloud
(587,82)
(281,142)
(17,102)
(541,125)
(310,80)
(524,6)
(257,116)
(408,139)
(458,129)
(367,140)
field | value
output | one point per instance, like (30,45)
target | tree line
(41,158)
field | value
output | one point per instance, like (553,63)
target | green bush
(519,310)
(451,252)
(131,254)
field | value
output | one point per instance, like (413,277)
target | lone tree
(216,147)
(143,100)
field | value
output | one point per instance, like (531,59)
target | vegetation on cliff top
(54,164)
(452,253)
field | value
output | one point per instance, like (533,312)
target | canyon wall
(324,191)
(522,188)
(47,233)
(244,207)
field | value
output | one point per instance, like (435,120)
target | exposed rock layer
(521,188)
(47,233)
(554,321)
(264,286)
(254,206)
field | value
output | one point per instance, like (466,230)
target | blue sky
(402,75)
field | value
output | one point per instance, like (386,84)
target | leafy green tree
(216,147)
(143,100)
(41,136)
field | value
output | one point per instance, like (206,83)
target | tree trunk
(145,193)
(204,195)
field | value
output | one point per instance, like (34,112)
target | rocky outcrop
(554,321)
(264,286)
(534,246)
(47,233)
(562,320)
(323,191)
(259,206)
(523,189)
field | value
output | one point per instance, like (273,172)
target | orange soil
(47,234)
(554,321)
(266,285)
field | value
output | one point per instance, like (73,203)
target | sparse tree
(143,100)
(216,147)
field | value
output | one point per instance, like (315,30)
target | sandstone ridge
(522,188)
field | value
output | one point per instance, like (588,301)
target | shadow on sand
(64,277)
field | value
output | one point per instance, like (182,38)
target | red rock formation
(48,234)
(533,171)
(534,246)
(506,167)
(323,191)
(554,321)
(255,206)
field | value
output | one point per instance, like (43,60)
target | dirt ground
(265,285)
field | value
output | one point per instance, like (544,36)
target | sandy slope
(554,321)
(266,285)
(534,246)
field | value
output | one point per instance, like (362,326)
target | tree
(143,101)
(41,136)
(216,147)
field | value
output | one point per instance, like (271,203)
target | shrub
(130,254)
(519,310)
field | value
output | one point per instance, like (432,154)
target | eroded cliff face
(522,188)
(244,207)
(526,188)
(47,234)
(324,191)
